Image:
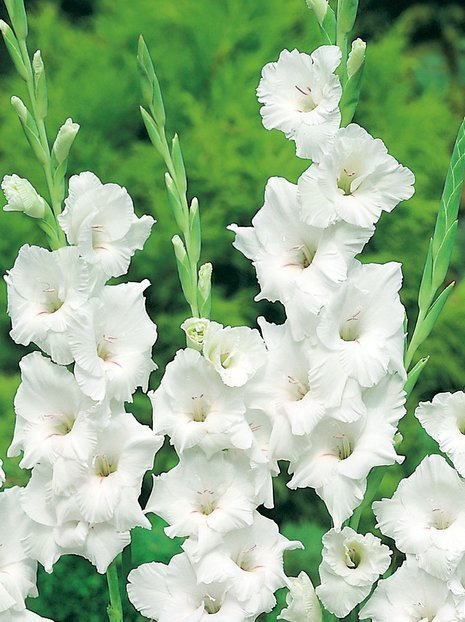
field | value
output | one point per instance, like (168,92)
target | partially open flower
(302,602)
(22,197)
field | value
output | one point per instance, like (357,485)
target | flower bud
(22,197)
(20,108)
(356,57)
(195,328)
(64,140)
(205,286)
(319,7)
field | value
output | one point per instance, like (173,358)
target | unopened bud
(319,7)
(64,140)
(195,328)
(356,57)
(20,108)
(22,197)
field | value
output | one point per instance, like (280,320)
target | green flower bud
(20,108)
(319,7)
(195,328)
(356,57)
(17,13)
(64,140)
(22,197)
(14,51)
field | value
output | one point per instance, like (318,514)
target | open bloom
(45,291)
(354,181)
(195,408)
(302,602)
(54,419)
(338,456)
(351,564)
(172,593)
(296,263)
(111,341)
(410,595)
(301,95)
(444,419)
(99,219)
(361,328)
(17,570)
(203,499)
(426,516)
(456,585)
(250,561)
(236,353)
(22,197)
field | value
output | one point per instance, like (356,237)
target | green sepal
(442,260)
(30,129)
(450,200)
(204,290)
(174,202)
(12,46)
(150,86)
(346,15)
(152,131)
(195,232)
(18,17)
(413,376)
(350,97)
(178,162)
(40,86)
(433,314)
(328,27)
(426,292)
(182,261)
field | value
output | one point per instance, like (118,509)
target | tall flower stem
(115,608)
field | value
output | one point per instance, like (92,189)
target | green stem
(374,482)
(115,608)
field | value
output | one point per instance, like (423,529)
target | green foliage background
(208,55)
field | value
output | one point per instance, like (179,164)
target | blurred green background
(209,54)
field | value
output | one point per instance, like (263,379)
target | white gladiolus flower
(99,219)
(173,594)
(194,328)
(301,96)
(17,571)
(51,535)
(22,616)
(250,562)
(54,419)
(111,341)
(296,263)
(354,181)
(45,291)
(426,516)
(302,603)
(362,326)
(457,586)
(410,595)
(338,456)
(22,197)
(235,352)
(351,564)
(194,408)
(444,420)
(203,499)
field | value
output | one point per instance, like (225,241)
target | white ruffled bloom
(53,531)
(22,197)
(354,181)
(297,264)
(111,341)
(302,602)
(17,571)
(22,616)
(99,219)
(172,594)
(194,408)
(362,327)
(426,516)
(410,595)
(301,95)
(351,564)
(235,352)
(338,456)
(203,499)
(457,586)
(54,419)
(250,561)
(45,291)
(444,420)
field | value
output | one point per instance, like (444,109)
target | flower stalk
(115,608)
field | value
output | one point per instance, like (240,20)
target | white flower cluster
(87,455)
(426,518)
(233,557)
